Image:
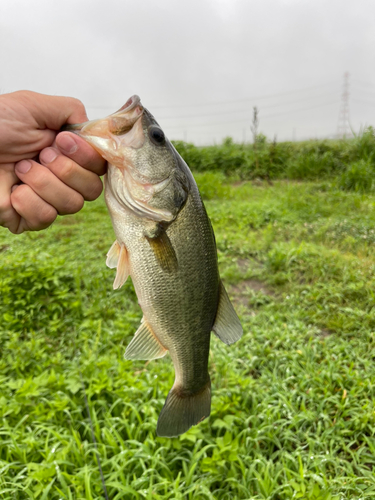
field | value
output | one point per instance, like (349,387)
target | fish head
(144,169)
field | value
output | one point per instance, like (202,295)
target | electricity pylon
(343,126)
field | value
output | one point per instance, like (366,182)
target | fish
(166,244)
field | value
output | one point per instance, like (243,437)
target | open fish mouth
(120,128)
(130,104)
(115,119)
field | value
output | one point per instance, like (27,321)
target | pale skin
(43,174)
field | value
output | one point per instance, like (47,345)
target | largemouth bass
(165,242)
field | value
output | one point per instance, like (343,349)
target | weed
(293,407)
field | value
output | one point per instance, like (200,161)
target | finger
(33,141)
(81,152)
(48,187)
(52,111)
(73,175)
(35,213)
(9,218)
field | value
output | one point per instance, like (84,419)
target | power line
(242,110)
(210,124)
(365,91)
(360,101)
(364,83)
(302,109)
(247,99)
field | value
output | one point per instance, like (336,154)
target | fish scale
(196,283)
(165,242)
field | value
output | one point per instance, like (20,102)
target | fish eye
(156,135)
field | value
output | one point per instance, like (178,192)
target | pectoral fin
(227,325)
(145,344)
(164,252)
(122,266)
(113,255)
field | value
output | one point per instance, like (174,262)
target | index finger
(81,152)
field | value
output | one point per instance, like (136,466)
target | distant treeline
(350,161)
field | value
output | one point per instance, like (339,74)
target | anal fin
(227,325)
(122,268)
(145,344)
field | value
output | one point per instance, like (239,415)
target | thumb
(52,112)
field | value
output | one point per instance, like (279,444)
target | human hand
(68,169)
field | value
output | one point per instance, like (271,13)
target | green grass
(293,408)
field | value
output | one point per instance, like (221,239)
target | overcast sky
(200,65)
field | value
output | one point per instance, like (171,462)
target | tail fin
(182,410)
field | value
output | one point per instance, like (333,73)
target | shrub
(359,176)
(312,165)
(363,146)
(270,160)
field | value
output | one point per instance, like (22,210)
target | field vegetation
(293,408)
(350,162)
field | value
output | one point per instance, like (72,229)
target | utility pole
(254,125)
(343,126)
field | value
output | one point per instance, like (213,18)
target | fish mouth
(120,129)
(130,104)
